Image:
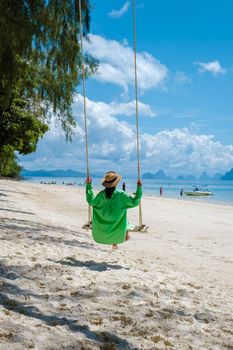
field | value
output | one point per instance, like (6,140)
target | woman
(109,222)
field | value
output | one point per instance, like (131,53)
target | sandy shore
(170,288)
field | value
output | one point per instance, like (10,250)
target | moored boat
(197,191)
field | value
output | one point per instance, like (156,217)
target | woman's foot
(114,246)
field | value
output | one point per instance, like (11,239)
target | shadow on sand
(37,232)
(91,265)
(104,339)
(17,211)
(3,195)
(10,191)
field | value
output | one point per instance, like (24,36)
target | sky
(185,85)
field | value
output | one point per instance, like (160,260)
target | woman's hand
(88,180)
(139,183)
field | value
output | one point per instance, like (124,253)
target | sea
(222,190)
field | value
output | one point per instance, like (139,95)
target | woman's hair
(109,192)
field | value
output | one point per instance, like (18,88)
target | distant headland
(159,175)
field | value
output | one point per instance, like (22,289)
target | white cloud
(117,64)
(183,151)
(113,108)
(125,42)
(213,67)
(104,129)
(119,13)
(112,145)
(181,78)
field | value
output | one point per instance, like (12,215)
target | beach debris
(75,293)
(204,317)
(150,313)
(8,313)
(126,286)
(97,321)
(157,338)
(193,285)
(167,342)
(6,335)
(126,320)
(183,313)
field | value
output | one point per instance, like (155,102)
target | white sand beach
(170,288)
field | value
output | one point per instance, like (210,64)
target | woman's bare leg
(114,246)
(127,237)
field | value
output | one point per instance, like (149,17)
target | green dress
(109,219)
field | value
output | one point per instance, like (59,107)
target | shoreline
(170,288)
(149,194)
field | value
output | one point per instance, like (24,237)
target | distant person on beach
(123,186)
(109,221)
(181,192)
(161,191)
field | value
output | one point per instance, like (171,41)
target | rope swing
(88,224)
(141,226)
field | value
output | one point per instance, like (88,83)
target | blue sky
(185,78)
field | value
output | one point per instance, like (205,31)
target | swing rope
(84,106)
(88,225)
(136,105)
(136,88)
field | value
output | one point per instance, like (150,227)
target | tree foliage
(40,67)
(41,38)
(8,163)
(20,128)
(20,131)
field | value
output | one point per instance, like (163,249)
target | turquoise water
(222,190)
